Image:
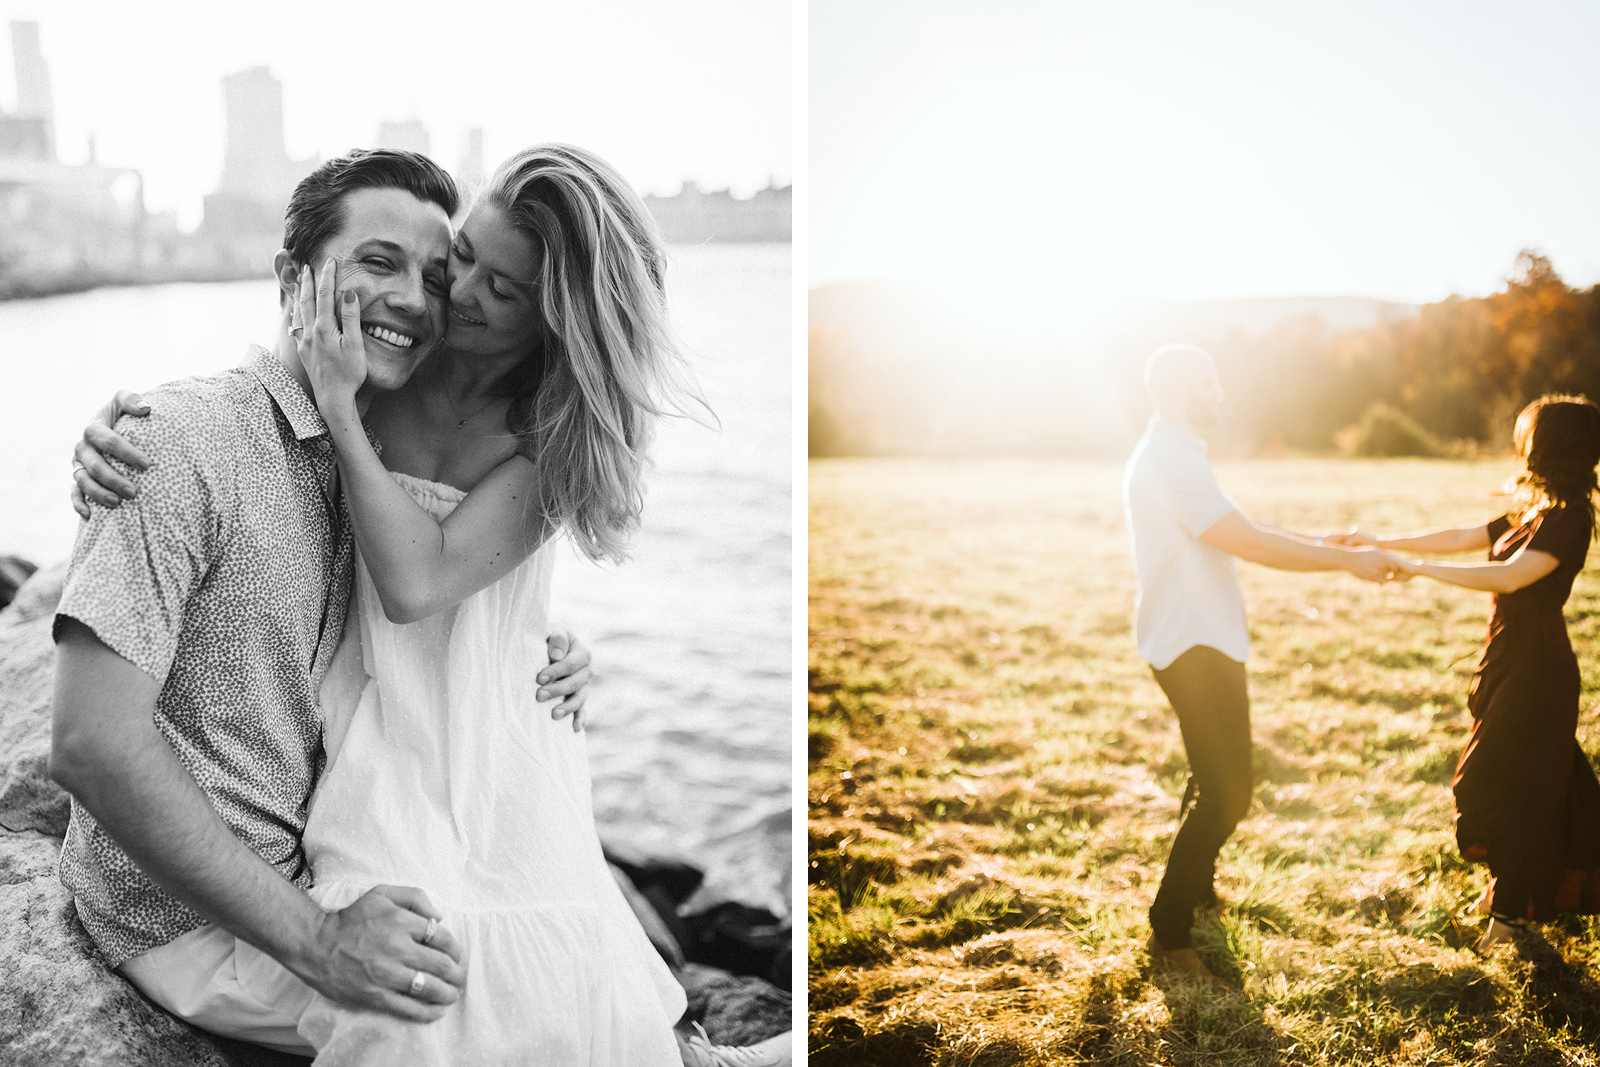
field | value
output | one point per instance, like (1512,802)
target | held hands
(369,954)
(93,479)
(333,351)
(1372,565)
(567,676)
(1404,569)
(1369,562)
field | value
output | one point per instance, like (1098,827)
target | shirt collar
(304,418)
(1177,434)
(286,393)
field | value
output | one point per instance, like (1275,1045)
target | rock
(59,1004)
(735,1009)
(734,915)
(674,875)
(749,865)
(14,570)
(29,800)
(742,940)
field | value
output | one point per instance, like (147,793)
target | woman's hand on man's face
(327,335)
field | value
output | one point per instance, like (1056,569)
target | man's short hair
(1167,360)
(314,214)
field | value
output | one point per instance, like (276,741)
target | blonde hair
(606,367)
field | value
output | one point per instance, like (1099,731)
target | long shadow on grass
(1563,994)
(1207,1022)
(844,1043)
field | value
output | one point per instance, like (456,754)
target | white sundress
(444,773)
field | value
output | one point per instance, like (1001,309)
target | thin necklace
(479,410)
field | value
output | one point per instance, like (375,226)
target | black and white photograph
(396,654)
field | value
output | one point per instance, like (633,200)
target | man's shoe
(698,1051)
(1183,961)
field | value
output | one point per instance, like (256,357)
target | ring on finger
(428,934)
(418,980)
(76,467)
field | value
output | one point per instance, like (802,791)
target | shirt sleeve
(135,567)
(1564,533)
(1497,530)
(1190,492)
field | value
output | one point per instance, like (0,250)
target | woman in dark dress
(1526,799)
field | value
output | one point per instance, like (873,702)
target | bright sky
(1033,152)
(664,90)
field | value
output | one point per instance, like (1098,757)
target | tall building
(34,99)
(469,171)
(245,214)
(409,135)
(255,165)
(29,132)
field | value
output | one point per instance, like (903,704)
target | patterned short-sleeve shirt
(227,580)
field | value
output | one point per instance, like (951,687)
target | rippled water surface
(690,741)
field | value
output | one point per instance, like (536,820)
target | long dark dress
(1526,798)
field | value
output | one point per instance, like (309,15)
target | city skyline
(148,86)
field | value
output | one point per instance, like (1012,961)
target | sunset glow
(1035,152)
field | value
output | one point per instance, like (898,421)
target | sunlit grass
(995,780)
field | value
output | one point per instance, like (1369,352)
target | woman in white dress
(442,772)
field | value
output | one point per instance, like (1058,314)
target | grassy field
(994,782)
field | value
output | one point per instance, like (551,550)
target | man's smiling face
(392,252)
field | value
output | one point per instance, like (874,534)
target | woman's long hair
(1559,439)
(606,366)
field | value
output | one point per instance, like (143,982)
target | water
(690,736)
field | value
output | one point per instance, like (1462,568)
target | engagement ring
(417,984)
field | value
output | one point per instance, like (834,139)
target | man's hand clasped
(1369,562)
(387,952)
(1373,565)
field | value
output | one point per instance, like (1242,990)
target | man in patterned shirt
(197,622)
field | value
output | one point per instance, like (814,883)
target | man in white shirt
(1190,625)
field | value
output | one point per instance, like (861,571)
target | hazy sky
(1397,150)
(665,90)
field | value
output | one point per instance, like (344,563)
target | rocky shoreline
(59,1004)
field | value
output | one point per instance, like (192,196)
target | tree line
(1458,371)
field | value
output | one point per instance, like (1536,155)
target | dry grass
(995,779)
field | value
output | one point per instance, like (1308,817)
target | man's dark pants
(1207,691)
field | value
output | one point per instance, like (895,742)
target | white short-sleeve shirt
(1188,591)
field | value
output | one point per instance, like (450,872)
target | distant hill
(896,367)
(877,310)
(1260,315)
